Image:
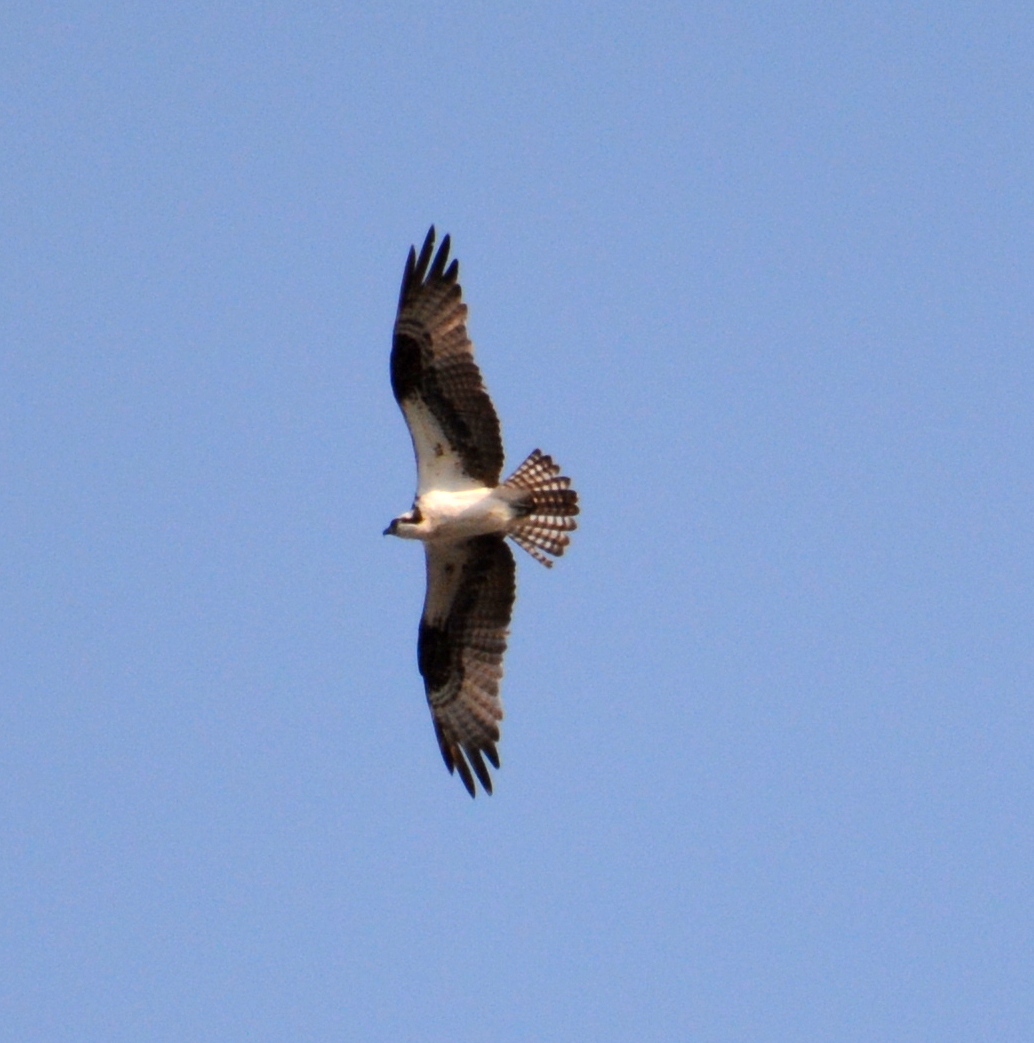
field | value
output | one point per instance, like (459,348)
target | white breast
(460,515)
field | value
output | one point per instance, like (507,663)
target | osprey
(462,512)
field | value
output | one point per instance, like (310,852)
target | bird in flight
(463,513)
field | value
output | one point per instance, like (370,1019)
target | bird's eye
(415,516)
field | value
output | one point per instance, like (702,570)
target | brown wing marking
(432,362)
(470,594)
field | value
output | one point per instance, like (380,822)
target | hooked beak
(390,530)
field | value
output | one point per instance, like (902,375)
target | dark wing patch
(460,650)
(432,362)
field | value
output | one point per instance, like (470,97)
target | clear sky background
(758,275)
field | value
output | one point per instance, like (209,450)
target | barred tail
(546,506)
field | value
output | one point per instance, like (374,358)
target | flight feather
(463,630)
(436,381)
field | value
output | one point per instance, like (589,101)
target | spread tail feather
(546,506)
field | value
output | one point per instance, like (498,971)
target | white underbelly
(460,515)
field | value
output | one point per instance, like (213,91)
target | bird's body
(463,514)
(449,516)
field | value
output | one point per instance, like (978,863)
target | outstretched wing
(451,419)
(470,592)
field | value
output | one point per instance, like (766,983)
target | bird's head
(405,525)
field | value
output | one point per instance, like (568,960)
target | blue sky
(759,277)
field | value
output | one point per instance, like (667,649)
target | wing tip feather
(456,762)
(428,265)
(420,269)
(478,764)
